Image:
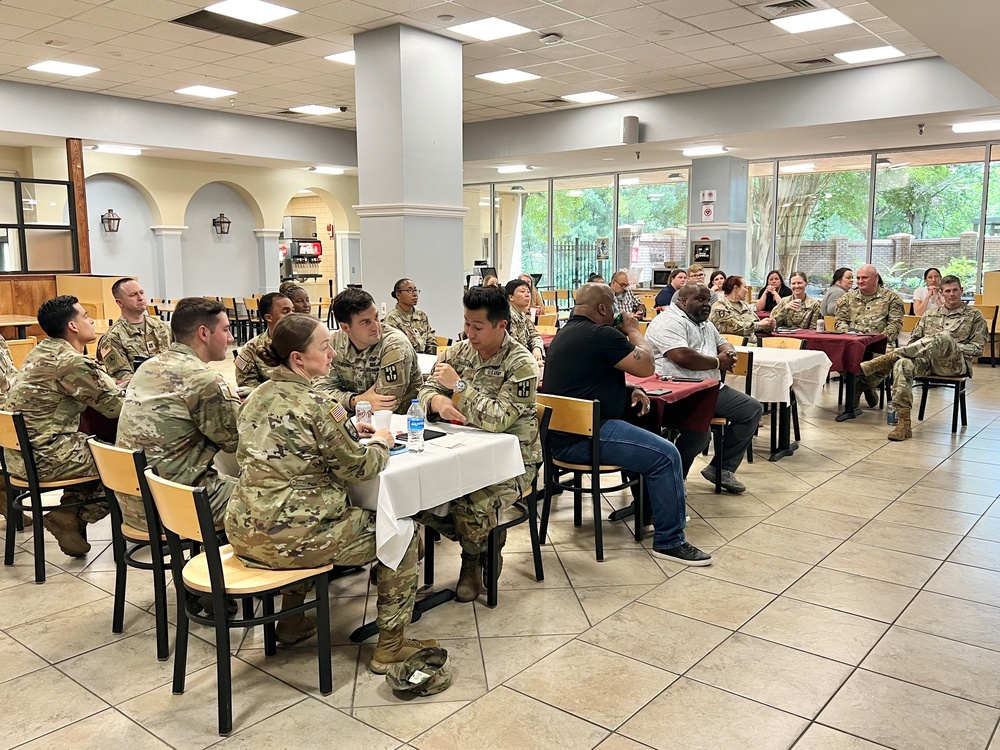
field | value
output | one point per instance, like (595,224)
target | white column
(268,263)
(168,263)
(727,175)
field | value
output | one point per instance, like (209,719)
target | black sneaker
(685,554)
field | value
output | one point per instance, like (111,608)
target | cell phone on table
(428,435)
(686,380)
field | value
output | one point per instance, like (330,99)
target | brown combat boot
(879,368)
(904,429)
(470,579)
(297,628)
(64,525)
(393,648)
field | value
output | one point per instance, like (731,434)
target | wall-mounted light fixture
(221,224)
(110,221)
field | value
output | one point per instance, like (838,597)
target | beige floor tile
(884,489)
(191,722)
(979,553)
(815,521)
(784,542)
(959,619)
(707,599)
(563,535)
(747,568)
(699,533)
(937,663)
(908,458)
(405,721)
(730,528)
(882,564)
(964,582)
(726,505)
(818,737)
(901,715)
(23,569)
(627,632)
(617,742)
(946,480)
(988,527)
(978,469)
(110,728)
(299,667)
(311,724)
(452,619)
(817,478)
(910,539)
(793,681)
(818,630)
(505,657)
(56,557)
(829,498)
(867,597)
(138,592)
(607,692)
(873,468)
(969,453)
(507,720)
(43,701)
(958,501)
(925,517)
(619,568)
(690,714)
(30,602)
(600,602)
(541,612)
(16,660)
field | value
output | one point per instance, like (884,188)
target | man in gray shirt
(687,345)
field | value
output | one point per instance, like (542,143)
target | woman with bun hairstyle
(408,320)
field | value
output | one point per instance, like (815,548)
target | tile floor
(854,603)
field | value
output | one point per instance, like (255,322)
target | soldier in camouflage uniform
(373,364)
(522,330)
(945,342)
(487,381)
(57,384)
(251,370)
(180,411)
(731,314)
(134,334)
(797,310)
(297,451)
(411,322)
(7,368)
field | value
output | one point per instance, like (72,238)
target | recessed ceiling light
(207,92)
(251,11)
(512,168)
(317,109)
(589,97)
(120,150)
(821,19)
(705,151)
(488,29)
(868,55)
(837,137)
(798,168)
(342,57)
(62,68)
(628,181)
(977,126)
(510,75)
(326,170)
(446,18)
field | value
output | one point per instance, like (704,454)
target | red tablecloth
(763,314)
(688,406)
(92,422)
(845,350)
(547,338)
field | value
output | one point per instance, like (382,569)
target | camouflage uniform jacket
(965,324)
(880,313)
(181,412)
(736,318)
(123,341)
(805,317)
(7,368)
(522,330)
(298,451)
(56,385)
(250,368)
(416,327)
(390,365)
(500,393)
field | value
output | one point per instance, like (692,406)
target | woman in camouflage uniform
(732,314)
(797,310)
(298,450)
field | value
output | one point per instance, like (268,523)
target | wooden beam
(74,160)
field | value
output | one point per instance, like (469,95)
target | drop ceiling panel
(689,8)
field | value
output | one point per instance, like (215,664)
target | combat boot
(470,579)
(393,648)
(484,558)
(904,429)
(64,525)
(297,628)
(879,368)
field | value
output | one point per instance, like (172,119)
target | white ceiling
(629,48)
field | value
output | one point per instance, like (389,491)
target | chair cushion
(242,580)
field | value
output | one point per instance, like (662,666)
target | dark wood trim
(74,161)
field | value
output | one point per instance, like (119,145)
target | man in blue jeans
(588,359)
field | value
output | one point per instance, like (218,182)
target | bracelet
(718,363)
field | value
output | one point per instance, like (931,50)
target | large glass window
(522,229)
(652,220)
(760,222)
(476,225)
(582,229)
(37,226)
(991,240)
(927,212)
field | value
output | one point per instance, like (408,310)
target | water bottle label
(414,423)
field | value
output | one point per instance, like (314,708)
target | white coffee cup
(383,419)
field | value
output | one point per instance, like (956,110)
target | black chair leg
(181,643)
(965,415)
(795,419)
(323,634)
(923,400)
(595,496)
(38,539)
(577,499)
(718,436)
(536,547)
(160,609)
(430,536)
(270,639)
(492,566)
(640,514)
(121,578)
(10,534)
(248,608)
(224,667)
(546,509)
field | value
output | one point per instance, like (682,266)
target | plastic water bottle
(415,427)
(890,413)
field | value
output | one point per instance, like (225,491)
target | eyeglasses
(409,291)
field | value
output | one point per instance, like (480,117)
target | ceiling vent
(786,8)
(217,23)
(813,64)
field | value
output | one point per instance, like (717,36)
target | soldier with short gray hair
(134,334)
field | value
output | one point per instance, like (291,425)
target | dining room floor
(854,602)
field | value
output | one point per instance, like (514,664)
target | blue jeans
(657,460)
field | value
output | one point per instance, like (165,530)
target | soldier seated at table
(58,382)
(732,314)
(251,370)
(798,310)
(411,322)
(134,334)
(297,451)
(374,363)
(945,342)
(870,308)
(686,344)
(588,359)
(488,381)
(522,330)
(180,411)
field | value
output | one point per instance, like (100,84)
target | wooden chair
(734,339)
(443,342)
(643,325)
(550,310)
(744,367)
(19,350)
(909,323)
(582,418)
(153,310)
(830,321)
(563,301)
(186,514)
(546,330)
(242,316)
(254,322)
(122,471)
(550,298)
(990,313)
(549,319)
(25,494)
(940,381)
(778,342)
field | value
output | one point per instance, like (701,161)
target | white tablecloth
(777,370)
(422,481)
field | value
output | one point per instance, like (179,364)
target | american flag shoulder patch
(339,413)
(106,350)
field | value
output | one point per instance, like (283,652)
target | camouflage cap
(424,673)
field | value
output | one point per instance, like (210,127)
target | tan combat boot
(470,579)
(393,648)
(64,525)
(296,628)
(879,368)
(903,429)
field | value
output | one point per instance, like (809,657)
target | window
(582,229)
(476,225)
(760,219)
(652,220)
(991,239)
(37,226)
(522,229)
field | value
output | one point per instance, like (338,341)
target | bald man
(588,359)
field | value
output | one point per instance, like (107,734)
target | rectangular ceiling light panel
(488,29)
(251,11)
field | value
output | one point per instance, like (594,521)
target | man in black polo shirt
(588,359)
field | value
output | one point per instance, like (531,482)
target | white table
(775,371)
(412,482)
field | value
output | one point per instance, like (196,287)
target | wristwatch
(460,386)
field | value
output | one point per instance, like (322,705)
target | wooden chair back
(831,322)
(8,431)
(252,305)
(117,467)
(990,313)
(643,325)
(744,367)
(550,310)
(19,350)
(546,330)
(576,416)
(562,295)
(549,297)
(175,505)
(734,339)
(443,342)
(548,320)
(153,310)
(780,342)
(910,322)
(90,308)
